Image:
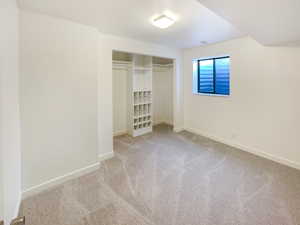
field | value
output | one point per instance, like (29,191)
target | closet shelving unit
(118,64)
(140,95)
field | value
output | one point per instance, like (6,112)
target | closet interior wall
(162,87)
(162,94)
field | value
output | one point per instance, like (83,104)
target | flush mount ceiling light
(163,21)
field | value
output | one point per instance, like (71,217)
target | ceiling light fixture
(163,21)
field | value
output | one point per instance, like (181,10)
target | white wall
(163,95)
(10,153)
(262,112)
(1,188)
(60,64)
(58,89)
(107,43)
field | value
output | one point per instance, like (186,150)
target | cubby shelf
(143,103)
(136,117)
(140,95)
(149,121)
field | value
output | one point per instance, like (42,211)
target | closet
(142,93)
(162,85)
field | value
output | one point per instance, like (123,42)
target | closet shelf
(142,90)
(142,103)
(142,68)
(144,115)
(163,65)
(143,122)
(122,62)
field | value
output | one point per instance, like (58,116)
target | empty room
(149,112)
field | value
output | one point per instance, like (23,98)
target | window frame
(214,76)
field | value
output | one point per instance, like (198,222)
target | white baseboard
(18,206)
(119,133)
(106,156)
(178,129)
(59,180)
(247,149)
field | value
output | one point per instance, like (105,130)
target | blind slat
(214,76)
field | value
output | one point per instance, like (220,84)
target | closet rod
(163,65)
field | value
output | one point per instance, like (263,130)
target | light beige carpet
(166,178)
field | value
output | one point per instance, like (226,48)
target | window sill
(214,95)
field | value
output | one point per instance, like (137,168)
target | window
(212,76)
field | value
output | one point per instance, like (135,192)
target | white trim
(252,150)
(211,57)
(119,133)
(214,95)
(59,180)
(178,129)
(106,156)
(18,206)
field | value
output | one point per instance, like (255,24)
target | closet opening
(142,93)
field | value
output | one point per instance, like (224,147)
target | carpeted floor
(165,178)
